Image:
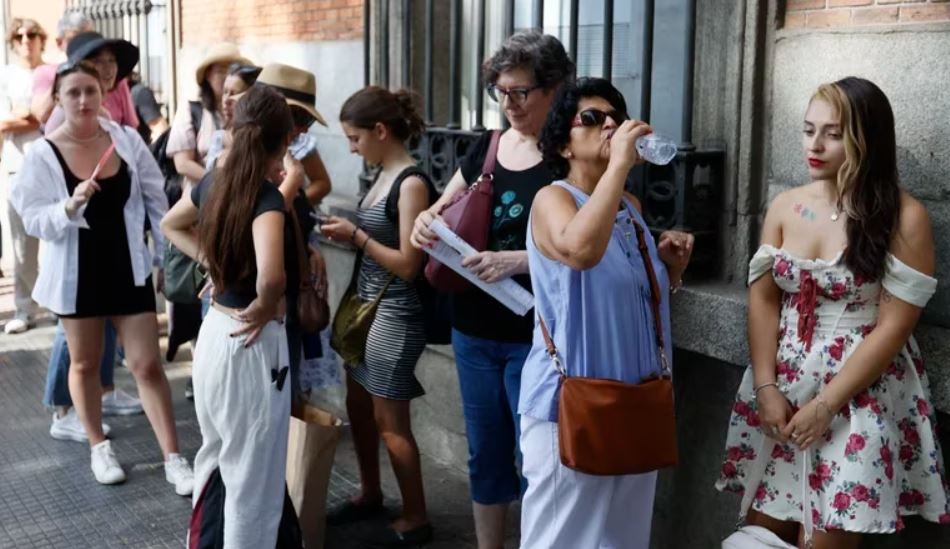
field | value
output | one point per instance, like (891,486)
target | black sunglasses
(29,34)
(597,117)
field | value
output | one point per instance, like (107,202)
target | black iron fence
(685,194)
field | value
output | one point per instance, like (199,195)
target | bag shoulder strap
(392,200)
(302,256)
(197,112)
(491,157)
(655,303)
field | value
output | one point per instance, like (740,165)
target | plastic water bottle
(656,149)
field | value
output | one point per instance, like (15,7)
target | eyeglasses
(30,35)
(596,117)
(518,95)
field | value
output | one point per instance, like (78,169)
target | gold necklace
(81,140)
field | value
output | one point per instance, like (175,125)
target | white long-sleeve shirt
(39,195)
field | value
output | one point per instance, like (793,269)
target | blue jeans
(490,380)
(57,376)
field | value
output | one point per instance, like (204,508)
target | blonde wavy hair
(867,183)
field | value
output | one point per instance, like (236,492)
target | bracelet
(353,236)
(821,402)
(763,386)
(365,242)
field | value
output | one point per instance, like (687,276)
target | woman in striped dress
(378,123)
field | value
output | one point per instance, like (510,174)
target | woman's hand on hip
(422,236)
(255,316)
(623,151)
(495,266)
(774,412)
(675,249)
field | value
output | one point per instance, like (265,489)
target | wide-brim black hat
(85,44)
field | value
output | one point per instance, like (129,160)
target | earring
(570,154)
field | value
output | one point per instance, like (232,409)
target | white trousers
(242,400)
(566,509)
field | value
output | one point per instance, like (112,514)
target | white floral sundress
(880,459)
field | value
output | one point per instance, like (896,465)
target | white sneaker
(104,465)
(17,325)
(178,472)
(69,427)
(120,403)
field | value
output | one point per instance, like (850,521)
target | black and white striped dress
(397,337)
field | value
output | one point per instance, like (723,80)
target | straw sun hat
(220,53)
(299,87)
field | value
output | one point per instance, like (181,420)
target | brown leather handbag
(469,216)
(313,311)
(607,427)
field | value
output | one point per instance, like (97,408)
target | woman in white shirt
(95,175)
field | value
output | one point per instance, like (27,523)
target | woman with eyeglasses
(20,129)
(490,341)
(601,286)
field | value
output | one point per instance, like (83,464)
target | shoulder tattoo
(804,212)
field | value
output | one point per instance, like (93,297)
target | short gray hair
(73,21)
(541,54)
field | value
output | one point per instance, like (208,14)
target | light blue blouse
(601,318)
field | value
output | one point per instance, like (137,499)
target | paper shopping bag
(314,434)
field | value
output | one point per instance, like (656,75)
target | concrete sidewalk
(49,498)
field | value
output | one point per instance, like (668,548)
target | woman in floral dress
(835,408)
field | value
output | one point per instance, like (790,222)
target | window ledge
(709,318)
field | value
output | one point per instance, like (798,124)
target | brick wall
(851,13)
(210,21)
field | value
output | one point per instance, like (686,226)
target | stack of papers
(450,250)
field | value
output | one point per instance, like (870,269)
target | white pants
(566,509)
(25,260)
(242,400)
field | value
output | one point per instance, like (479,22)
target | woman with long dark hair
(833,433)
(242,390)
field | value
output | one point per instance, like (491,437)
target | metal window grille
(686,194)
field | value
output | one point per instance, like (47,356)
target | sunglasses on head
(596,117)
(243,70)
